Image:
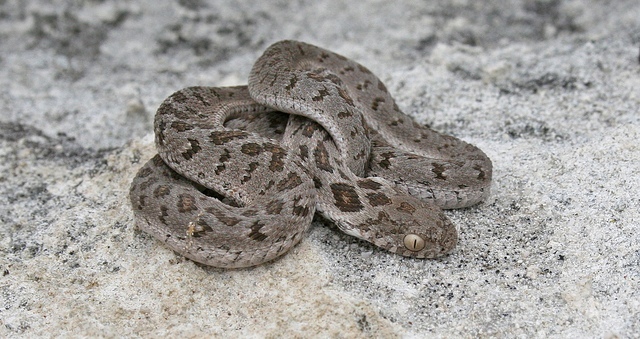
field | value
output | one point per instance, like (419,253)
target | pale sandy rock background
(549,89)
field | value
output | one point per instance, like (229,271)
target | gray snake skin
(241,171)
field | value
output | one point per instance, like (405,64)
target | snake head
(412,228)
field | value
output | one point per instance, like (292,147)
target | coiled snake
(242,170)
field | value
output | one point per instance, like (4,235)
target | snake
(242,171)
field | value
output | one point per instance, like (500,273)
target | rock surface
(549,89)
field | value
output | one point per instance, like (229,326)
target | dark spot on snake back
(309,129)
(343,175)
(304,152)
(385,163)
(181,126)
(346,198)
(252,167)
(383,216)
(145,171)
(249,212)
(317,183)
(224,157)
(195,148)
(317,76)
(344,114)
(378,199)
(376,103)
(347,69)
(274,207)
(178,97)
(161,191)
(291,181)
(406,207)
(157,161)
(141,202)
(163,214)
(292,83)
(202,99)
(251,149)
(321,156)
(277,157)
(255,232)
(369,184)
(481,173)
(143,186)
(438,170)
(345,95)
(321,94)
(186,203)
(222,217)
(223,137)
(364,85)
(201,228)
(300,210)
(396,122)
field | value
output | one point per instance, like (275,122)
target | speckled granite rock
(548,88)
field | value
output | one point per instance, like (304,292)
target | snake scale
(241,171)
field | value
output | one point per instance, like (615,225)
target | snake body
(242,170)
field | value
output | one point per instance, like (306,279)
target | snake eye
(413,242)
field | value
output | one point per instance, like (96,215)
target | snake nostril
(413,242)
